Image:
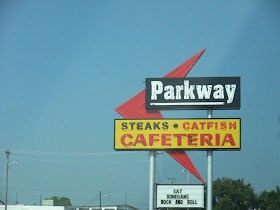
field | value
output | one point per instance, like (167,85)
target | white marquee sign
(180,196)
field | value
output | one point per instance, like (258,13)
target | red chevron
(135,108)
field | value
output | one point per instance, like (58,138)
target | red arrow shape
(135,108)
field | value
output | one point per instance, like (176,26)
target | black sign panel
(193,93)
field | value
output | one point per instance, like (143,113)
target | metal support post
(209,172)
(152,180)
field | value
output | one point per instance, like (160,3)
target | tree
(270,200)
(60,201)
(233,194)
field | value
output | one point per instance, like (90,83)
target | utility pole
(125,198)
(7,173)
(40,200)
(100,199)
(16,198)
(138,201)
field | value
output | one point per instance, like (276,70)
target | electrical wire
(104,163)
(35,152)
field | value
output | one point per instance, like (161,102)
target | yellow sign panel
(187,134)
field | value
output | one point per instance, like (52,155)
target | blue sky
(66,65)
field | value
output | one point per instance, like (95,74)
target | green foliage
(229,194)
(60,201)
(233,194)
(270,200)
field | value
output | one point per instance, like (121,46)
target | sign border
(185,149)
(182,185)
(190,107)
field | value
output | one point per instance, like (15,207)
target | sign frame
(186,149)
(181,185)
(190,93)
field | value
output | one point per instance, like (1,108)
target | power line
(103,163)
(35,152)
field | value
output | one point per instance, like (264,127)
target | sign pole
(152,180)
(209,171)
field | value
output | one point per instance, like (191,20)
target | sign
(193,93)
(180,196)
(187,134)
(47,202)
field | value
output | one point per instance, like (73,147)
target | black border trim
(185,149)
(192,107)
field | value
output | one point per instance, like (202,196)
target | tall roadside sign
(196,94)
